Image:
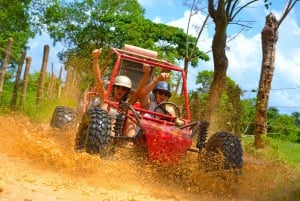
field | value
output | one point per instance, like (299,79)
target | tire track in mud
(40,161)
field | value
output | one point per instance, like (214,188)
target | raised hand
(96,53)
(146,68)
(163,77)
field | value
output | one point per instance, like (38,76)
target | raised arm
(99,86)
(144,99)
(141,85)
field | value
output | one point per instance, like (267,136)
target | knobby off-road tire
(226,147)
(63,118)
(93,134)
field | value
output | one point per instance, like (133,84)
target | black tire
(64,117)
(226,146)
(93,135)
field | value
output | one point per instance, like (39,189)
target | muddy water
(39,163)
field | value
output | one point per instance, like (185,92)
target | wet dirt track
(39,163)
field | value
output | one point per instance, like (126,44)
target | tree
(14,98)
(86,25)
(269,37)
(229,116)
(15,23)
(192,53)
(25,81)
(282,126)
(5,63)
(42,78)
(93,24)
(248,116)
(296,115)
(223,13)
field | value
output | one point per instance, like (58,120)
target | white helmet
(124,81)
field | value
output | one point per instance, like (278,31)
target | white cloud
(288,70)
(287,63)
(157,20)
(195,23)
(245,58)
(287,101)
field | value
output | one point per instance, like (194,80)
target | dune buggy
(166,138)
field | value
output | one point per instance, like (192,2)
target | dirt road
(38,163)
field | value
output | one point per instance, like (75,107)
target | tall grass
(38,113)
(276,149)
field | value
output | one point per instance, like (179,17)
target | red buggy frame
(167,139)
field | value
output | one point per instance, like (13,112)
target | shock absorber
(119,124)
(202,135)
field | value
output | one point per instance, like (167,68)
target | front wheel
(93,134)
(225,150)
(63,117)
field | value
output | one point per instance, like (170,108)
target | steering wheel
(162,108)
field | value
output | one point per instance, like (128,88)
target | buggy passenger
(120,92)
(161,92)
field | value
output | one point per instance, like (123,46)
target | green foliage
(16,23)
(5,98)
(204,78)
(41,113)
(248,115)
(173,43)
(282,126)
(276,150)
(44,111)
(230,110)
(94,24)
(86,25)
(289,150)
(238,115)
(297,118)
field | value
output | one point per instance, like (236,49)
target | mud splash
(39,163)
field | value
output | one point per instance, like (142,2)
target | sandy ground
(38,163)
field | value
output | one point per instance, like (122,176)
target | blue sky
(244,52)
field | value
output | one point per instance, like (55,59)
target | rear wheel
(224,151)
(63,117)
(93,134)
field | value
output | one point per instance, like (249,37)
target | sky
(244,51)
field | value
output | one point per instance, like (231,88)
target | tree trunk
(5,64)
(74,86)
(71,86)
(68,83)
(59,83)
(269,38)
(25,81)
(43,74)
(51,85)
(17,81)
(185,68)
(220,64)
